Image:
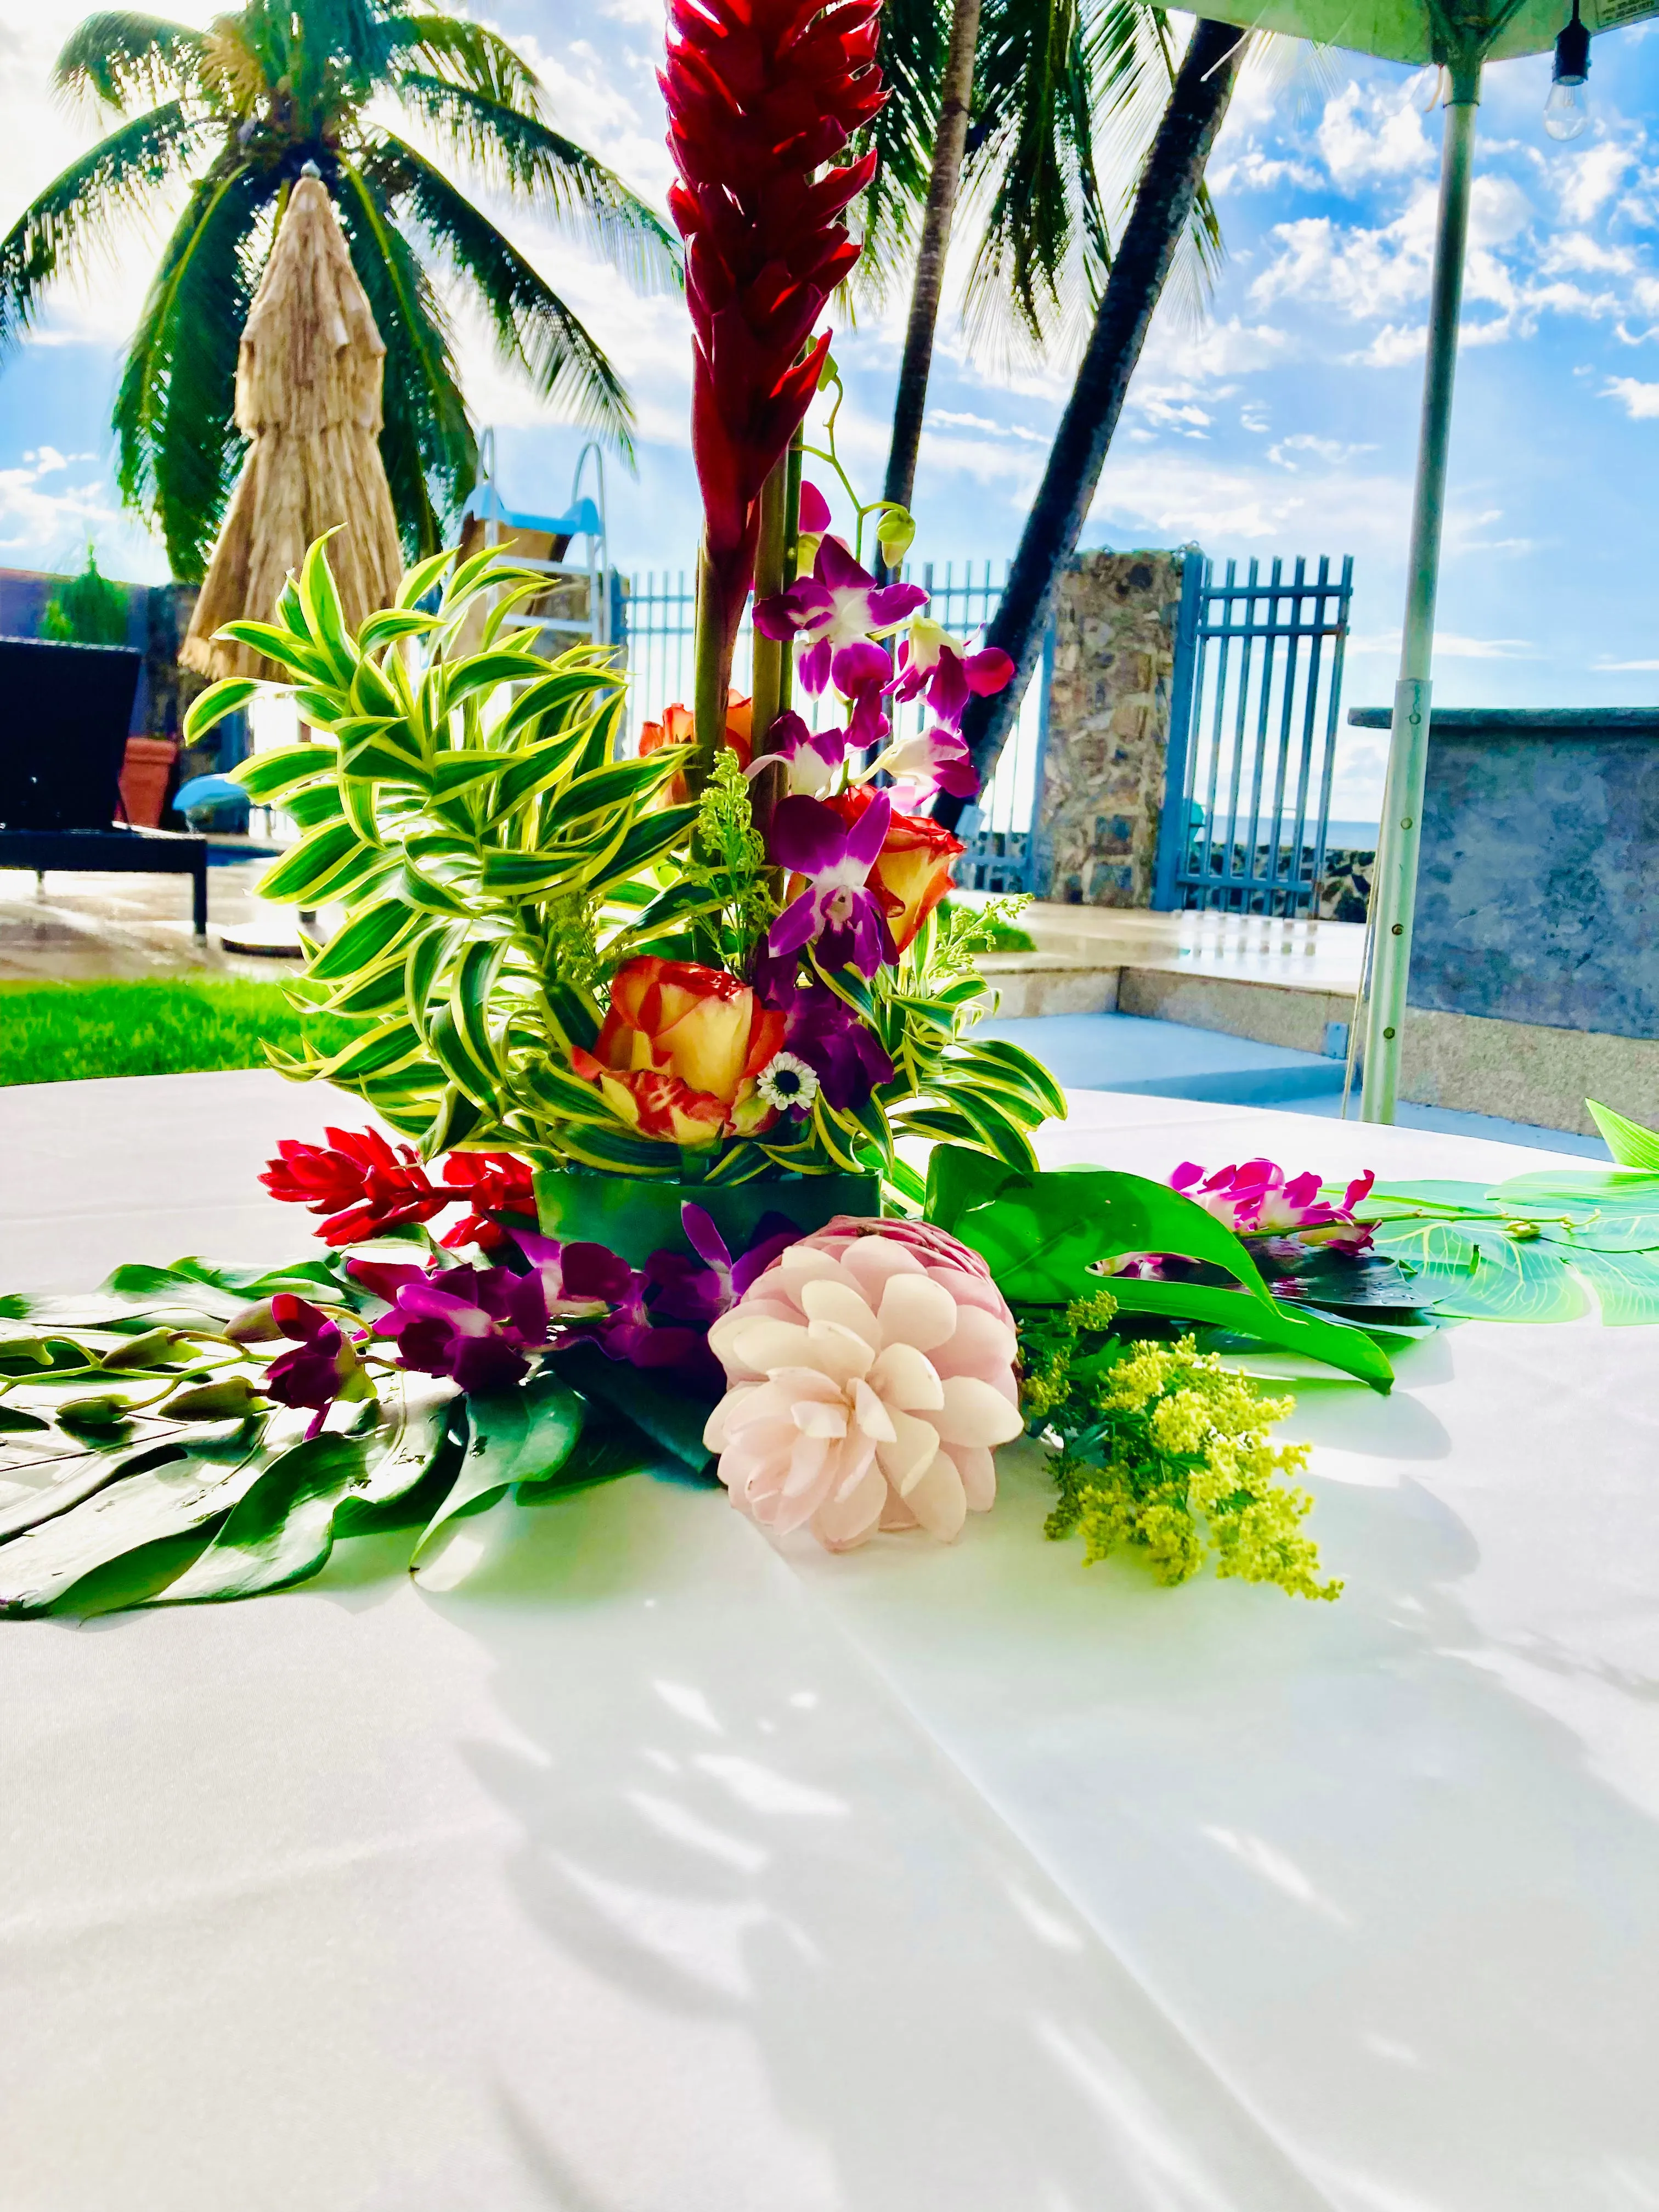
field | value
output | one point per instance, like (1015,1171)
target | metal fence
(1253,721)
(660,625)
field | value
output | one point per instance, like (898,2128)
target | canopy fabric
(308,378)
(1410,31)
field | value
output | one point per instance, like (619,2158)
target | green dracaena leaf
(366,939)
(418,581)
(294,652)
(266,776)
(208,710)
(305,873)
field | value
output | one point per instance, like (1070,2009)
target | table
(654,1868)
(130,852)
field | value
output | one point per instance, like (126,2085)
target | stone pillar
(1108,728)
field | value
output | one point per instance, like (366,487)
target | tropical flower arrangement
(650,1031)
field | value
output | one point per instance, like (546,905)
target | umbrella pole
(1394,896)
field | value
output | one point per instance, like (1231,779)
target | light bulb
(1566,111)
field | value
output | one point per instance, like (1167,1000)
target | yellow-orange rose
(680,1048)
(678,727)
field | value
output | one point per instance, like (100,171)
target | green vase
(638,1216)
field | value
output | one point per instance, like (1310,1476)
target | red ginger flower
(358,1179)
(760,94)
(492,1183)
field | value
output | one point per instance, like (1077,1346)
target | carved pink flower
(871,1374)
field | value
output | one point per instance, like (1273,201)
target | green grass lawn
(162,1025)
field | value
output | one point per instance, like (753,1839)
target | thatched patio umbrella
(308,395)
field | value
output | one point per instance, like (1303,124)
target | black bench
(64,714)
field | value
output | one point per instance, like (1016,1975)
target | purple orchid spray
(839,605)
(837,911)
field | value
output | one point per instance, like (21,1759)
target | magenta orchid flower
(862,673)
(933,663)
(1256,1201)
(814,510)
(837,910)
(840,603)
(932,760)
(479,1325)
(322,1366)
(809,758)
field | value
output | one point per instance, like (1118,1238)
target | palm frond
(534,328)
(427,444)
(178,446)
(1069,99)
(914,37)
(120,56)
(1043,250)
(517,153)
(81,208)
(464,53)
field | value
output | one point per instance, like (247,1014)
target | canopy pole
(1394,896)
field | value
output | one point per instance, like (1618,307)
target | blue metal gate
(1253,720)
(659,628)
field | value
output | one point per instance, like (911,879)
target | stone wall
(1108,728)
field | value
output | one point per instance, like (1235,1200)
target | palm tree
(237,110)
(1162,209)
(1028,97)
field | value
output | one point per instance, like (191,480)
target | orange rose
(680,1049)
(912,871)
(676,727)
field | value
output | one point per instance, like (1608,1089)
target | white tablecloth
(655,1869)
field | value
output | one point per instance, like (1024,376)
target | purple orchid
(837,909)
(840,603)
(932,760)
(934,664)
(840,1050)
(809,758)
(479,1325)
(664,1323)
(814,510)
(1256,1201)
(862,673)
(324,1365)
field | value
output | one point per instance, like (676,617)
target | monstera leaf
(1539,1248)
(1045,1235)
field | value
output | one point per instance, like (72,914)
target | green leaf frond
(178,447)
(79,212)
(517,153)
(914,37)
(533,328)
(467,53)
(427,441)
(124,59)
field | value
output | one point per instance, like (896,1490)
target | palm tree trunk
(1163,207)
(950,144)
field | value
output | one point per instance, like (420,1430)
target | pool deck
(81,928)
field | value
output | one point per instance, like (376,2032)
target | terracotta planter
(636,1215)
(144,774)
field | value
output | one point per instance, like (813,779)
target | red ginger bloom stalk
(760,94)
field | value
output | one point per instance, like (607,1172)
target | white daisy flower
(786,1083)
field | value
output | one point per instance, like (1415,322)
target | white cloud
(984,423)
(1364,135)
(1639,401)
(1331,451)
(1590,179)
(1252,171)
(1449,645)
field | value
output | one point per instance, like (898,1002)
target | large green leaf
(523,1434)
(282,1527)
(1046,1236)
(1630,1144)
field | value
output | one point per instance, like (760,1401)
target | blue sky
(1282,422)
